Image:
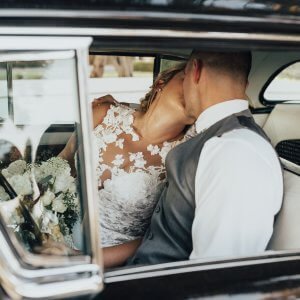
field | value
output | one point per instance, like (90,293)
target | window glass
(40,189)
(44,84)
(285,86)
(168,63)
(126,78)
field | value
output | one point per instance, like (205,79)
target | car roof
(199,15)
(239,7)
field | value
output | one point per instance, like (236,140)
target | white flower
(48,220)
(153,149)
(17,167)
(140,163)
(100,144)
(135,156)
(21,184)
(38,173)
(119,160)
(135,137)
(118,131)
(3,195)
(47,198)
(58,205)
(127,123)
(138,159)
(120,143)
(109,138)
(110,118)
(73,188)
(55,166)
(5,173)
(164,151)
(62,183)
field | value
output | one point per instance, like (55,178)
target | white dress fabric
(128,197)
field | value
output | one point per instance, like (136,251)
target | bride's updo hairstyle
(161,80)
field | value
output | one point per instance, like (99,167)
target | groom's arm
(238,191)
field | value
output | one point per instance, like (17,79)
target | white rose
(6,174)
(73,188)
(21,184)
(62,183)
(47,198)
(17,167)
(58,205)
(38,174)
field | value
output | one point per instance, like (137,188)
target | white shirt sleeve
(238,190)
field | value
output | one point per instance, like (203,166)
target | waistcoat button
(157,209)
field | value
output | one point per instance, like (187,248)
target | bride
(132,146)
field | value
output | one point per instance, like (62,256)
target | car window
(40,193)
(41,187)
(126,78)
(285,85)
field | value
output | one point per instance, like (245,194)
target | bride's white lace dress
(129,186)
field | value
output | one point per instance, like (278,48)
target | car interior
(274,98)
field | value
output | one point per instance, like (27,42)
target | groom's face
(191,86)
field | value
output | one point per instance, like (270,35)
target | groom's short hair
(236,64)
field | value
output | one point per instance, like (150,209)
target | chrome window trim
(85,112)
(42,42)
(34,56)
(145,33)
(190,266)
(145,16)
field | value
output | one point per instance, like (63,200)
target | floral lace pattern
(128,197)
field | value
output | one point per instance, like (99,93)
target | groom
(224,186)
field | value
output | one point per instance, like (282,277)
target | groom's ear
(197,70)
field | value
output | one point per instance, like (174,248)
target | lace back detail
(110,134)
(129,182)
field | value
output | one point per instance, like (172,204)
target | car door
(43,101)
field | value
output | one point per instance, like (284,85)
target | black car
(46,94)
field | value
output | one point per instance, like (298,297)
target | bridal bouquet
(50,193)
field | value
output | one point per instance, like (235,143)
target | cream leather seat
(283,123)
(286,234)
(282,127)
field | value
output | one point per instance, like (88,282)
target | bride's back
(120,148)
(130,174)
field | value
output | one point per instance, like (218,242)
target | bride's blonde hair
(161,80)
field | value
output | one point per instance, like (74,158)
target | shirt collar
(219,111)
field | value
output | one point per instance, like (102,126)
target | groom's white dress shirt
(238,189)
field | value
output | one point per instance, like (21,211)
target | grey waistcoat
(169,237)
